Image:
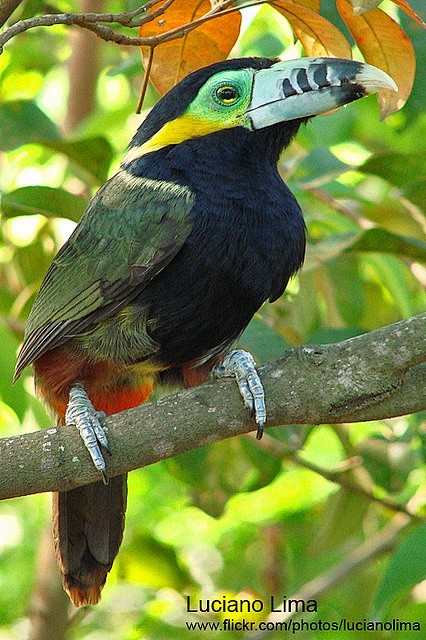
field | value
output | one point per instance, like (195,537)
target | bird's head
(252,94)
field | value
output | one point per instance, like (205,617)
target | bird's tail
(88,524)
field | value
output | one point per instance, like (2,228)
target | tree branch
(85,54)
(7,7)
(129,20)
(344,477)
(378,375)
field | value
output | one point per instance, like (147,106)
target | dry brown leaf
(318,36)
(210,42)
(384,44)
(403,4)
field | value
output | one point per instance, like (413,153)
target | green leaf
(33,260)
(342,520)
(384,241)
(130,66)
(215,473)
(16,397)
(394,278)
(22,122)
(93,155)
(319,167)
(147,561)
(45,201)
(391,214)
(292,492)
(299,316)
(347,288)
(376,239)
(416,193)
(327,335)
(406,568)
(321,252)
(262,341)
(397,168)
(389,463)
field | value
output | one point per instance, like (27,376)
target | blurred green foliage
(231,517)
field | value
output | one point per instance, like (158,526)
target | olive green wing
(131,230)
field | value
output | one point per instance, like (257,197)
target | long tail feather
(88,524)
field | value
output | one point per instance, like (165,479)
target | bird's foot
(241,365)
(81,413)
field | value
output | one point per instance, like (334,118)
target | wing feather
(131,230)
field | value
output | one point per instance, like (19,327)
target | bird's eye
(227,94)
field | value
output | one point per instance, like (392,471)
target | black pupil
(227,93)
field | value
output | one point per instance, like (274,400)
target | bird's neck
(237,155)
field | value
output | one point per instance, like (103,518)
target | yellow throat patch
(183,128)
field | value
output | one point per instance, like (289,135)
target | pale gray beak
(310,86)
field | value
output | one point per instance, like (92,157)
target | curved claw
(241,365)
(81,413)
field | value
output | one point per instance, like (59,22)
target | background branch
(91,22)
(379,544)
(7,7)
(85,54)
(344,477)
(374,376)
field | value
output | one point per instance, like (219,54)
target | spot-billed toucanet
(167,266)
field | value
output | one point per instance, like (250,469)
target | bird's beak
(307,87)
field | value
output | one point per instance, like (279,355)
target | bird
(172,258)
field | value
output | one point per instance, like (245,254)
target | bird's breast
(236,257)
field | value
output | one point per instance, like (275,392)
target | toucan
(173,256)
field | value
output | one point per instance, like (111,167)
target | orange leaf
(384,44)
(210,42)
(313,5)
(403,4)
(318,36)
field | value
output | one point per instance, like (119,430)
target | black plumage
(170,261)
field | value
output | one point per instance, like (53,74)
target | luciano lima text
(225,604)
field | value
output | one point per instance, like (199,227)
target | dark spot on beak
(347,93)
(359,92)
(288,88)
(302,80)
(320,76)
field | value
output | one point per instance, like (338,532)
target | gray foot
(240,364)
(81,413)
